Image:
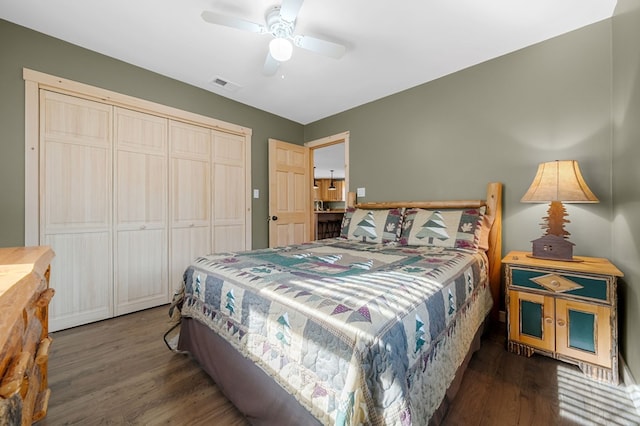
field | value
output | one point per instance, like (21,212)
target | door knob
(274,217)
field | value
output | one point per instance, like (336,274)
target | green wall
(626,174)
(21,47)
(495,122)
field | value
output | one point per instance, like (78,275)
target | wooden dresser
(24,333)
(567,310)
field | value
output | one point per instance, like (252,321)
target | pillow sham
(450,228)
(374,226)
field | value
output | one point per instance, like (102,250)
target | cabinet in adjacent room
(325,194)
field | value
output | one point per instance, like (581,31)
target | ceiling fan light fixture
(280,49)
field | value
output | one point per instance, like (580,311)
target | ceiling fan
(280,23)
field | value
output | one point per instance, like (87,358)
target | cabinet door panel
(584,331)
(531,320)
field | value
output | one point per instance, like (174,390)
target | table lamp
(557,182)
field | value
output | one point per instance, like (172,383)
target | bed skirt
(255,394)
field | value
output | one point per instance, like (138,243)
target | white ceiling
(391,46)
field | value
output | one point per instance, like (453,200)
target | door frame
(322,143)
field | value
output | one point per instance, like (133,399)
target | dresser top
(18,262)
(590,265)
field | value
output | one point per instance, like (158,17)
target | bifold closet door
(229,195)
(76,205)
(190,212)
(140,211)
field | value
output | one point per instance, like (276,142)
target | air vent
(225,84)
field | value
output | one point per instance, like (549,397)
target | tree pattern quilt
(358,333)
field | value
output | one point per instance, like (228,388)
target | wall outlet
(360,192)
(256,193)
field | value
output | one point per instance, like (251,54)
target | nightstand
(565,310)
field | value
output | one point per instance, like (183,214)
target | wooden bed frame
(493,203)
(263,401)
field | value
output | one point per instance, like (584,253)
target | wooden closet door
(140,211)
(190,181)
(75,206)
(229,192)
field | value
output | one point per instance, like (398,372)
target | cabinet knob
(555,283)
(561,323)
(548,320)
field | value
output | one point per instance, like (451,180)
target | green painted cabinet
(566,310)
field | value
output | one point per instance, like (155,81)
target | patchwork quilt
(358,333)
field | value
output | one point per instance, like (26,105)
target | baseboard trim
(631,386)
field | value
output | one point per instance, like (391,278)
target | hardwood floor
(119,372)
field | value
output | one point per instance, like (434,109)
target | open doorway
(329,163)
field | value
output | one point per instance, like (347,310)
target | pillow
(374,226)
(450,228)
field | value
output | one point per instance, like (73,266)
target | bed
(373,327)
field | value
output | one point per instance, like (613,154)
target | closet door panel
(141,278)
(229,195)
(190,182)
(83,277)
(75,210)
(76,186)
(140,132)
(187,244)
(142,190)
(190,192)
(189,141)
(75,120)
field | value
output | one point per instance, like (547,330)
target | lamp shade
(280,49)
(559,181)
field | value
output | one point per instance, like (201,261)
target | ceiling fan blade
(323,47)
(289,9)
(270,66)
(230,21)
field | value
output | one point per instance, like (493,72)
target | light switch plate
(256,193)
(361,192)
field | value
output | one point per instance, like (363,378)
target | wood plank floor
(119,372)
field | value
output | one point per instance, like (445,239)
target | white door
(190,212)
(75,206)
(140,211)
(289,194)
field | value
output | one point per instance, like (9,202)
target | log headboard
(493,203)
